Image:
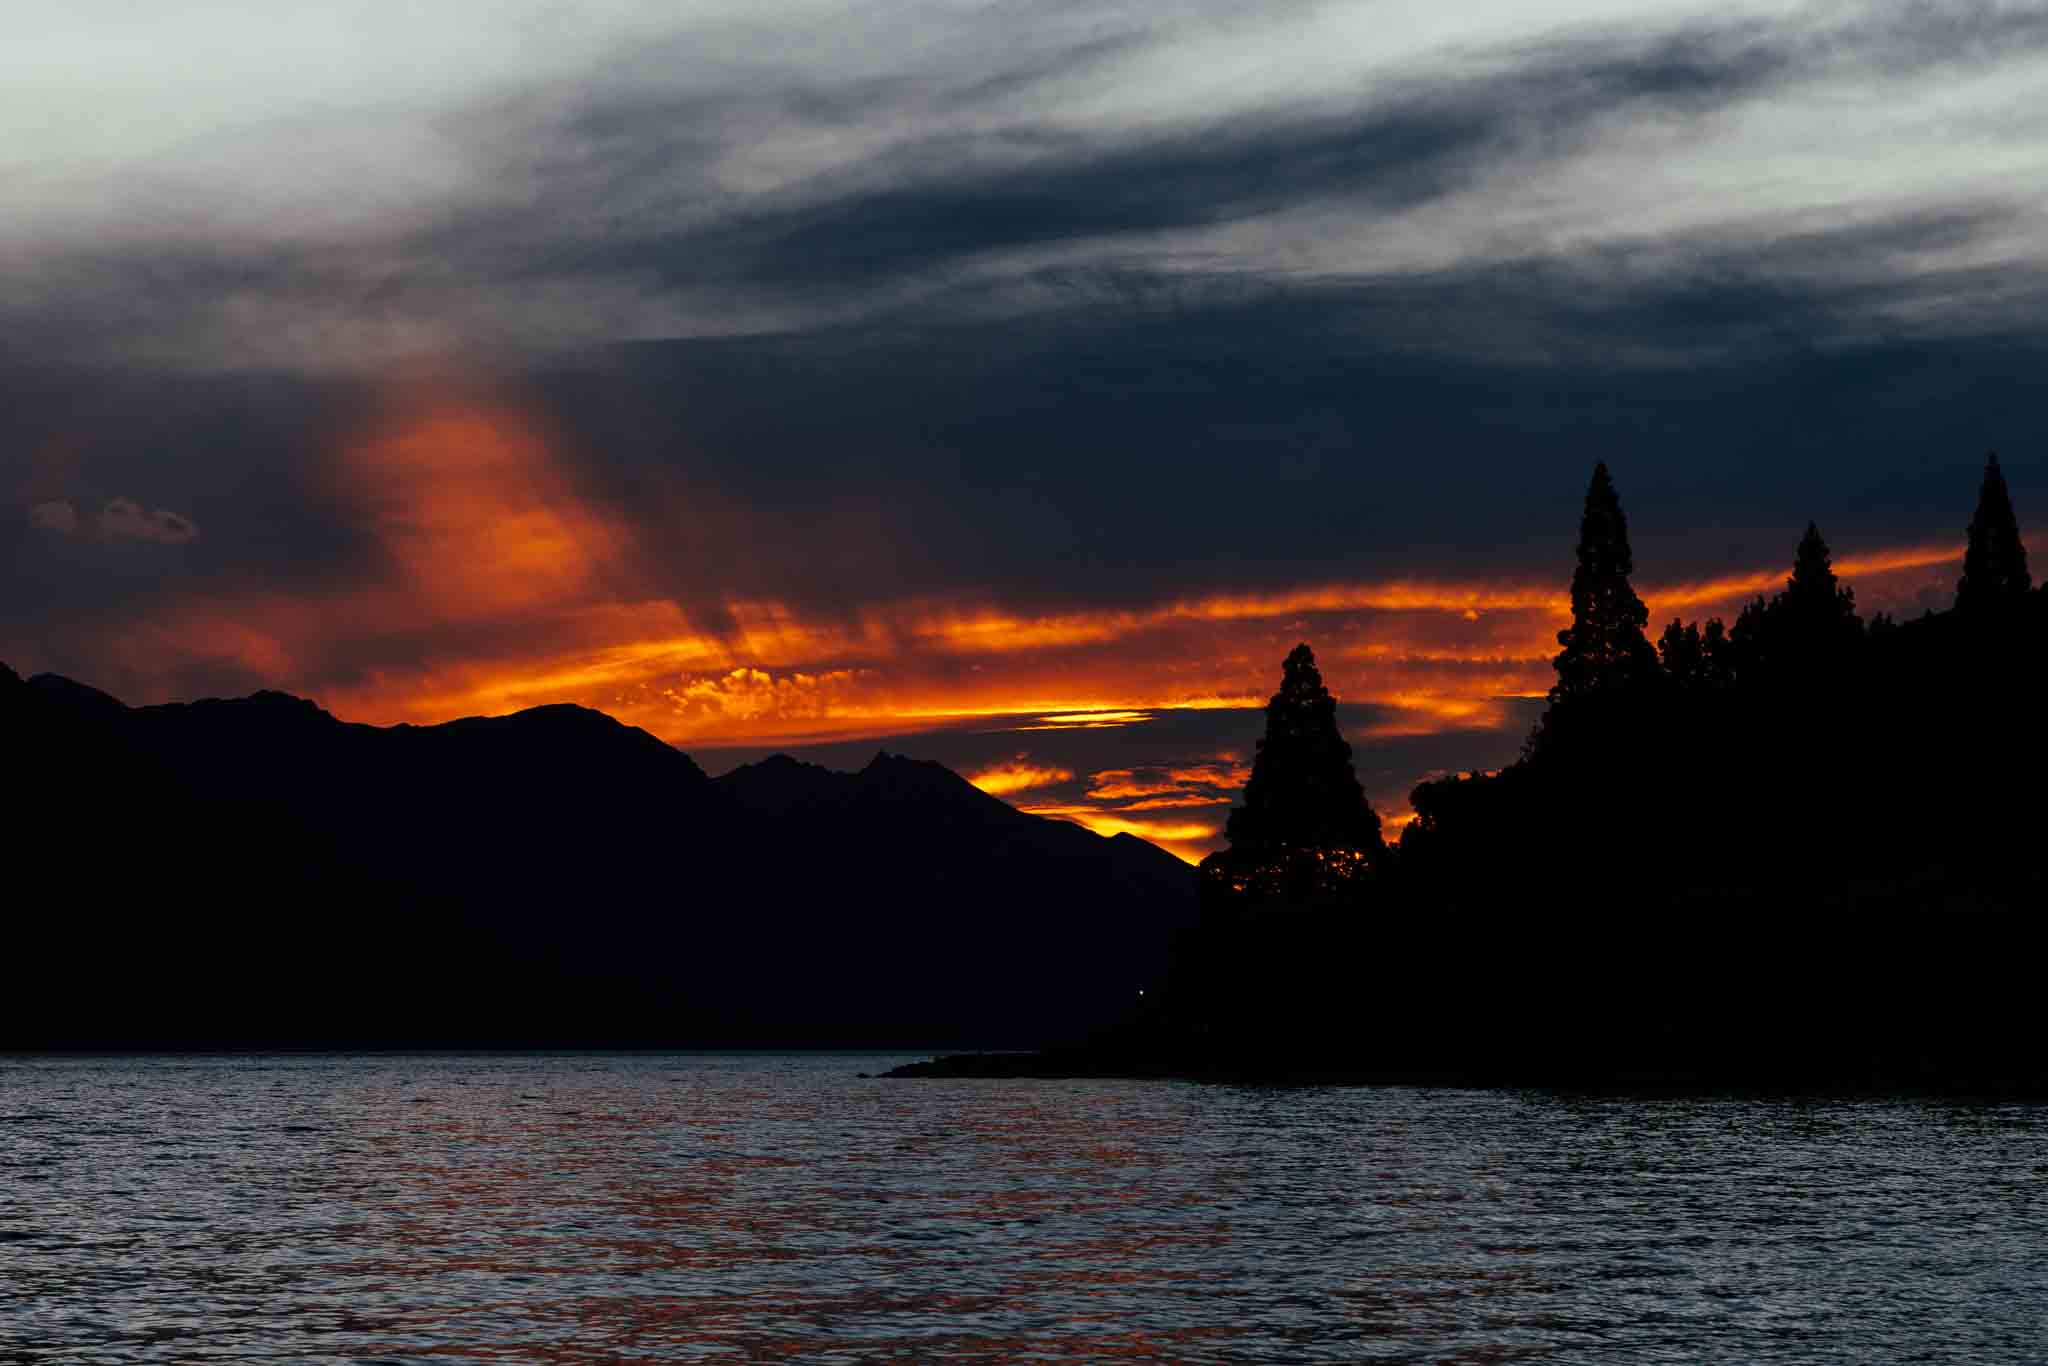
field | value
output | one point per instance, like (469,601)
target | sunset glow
(1187,839)
(1271,580)
(1020,776)
(506,585)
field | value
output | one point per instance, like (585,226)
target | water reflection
(577,1209)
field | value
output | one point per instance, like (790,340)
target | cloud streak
(489,581)
(736,174)
(121,519)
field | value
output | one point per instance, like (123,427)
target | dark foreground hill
(257,872)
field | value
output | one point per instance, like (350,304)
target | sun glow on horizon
(1186,840)
(504,586)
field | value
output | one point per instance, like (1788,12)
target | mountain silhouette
(256,871)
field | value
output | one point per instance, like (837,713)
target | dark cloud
(609,207)
(922,210)
(1108,453)
(56,515)
(998,197)
(125,519)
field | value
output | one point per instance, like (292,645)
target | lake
(762,1208)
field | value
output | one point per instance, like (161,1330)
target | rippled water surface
(770,1208)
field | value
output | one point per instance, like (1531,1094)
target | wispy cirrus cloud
(731,171)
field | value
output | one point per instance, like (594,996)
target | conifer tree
(1810,625)
(1718,656)
(1305,826)
(1995,565)
(1684,653)
(1815,613)
(1604,648)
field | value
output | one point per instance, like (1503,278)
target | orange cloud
(1735,588)
(1168,802)
(497,604)
(1018,776)
(1117,797)
(1186,840)
(498,584)
(471,510)
(500,605)
(1226,773)
(1131,785)
(1117,784)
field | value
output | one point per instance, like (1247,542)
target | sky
(1006,384)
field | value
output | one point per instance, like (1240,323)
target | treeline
(1798,756)
(1800,746)
(1740,852)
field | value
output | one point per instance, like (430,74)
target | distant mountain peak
(283,701)
(556,725)
(267,706)
(77,694)
(903,767)
(551,875)
(787,763)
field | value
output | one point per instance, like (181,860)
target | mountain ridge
(546,877)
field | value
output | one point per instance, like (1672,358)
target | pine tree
(1815,614)
(1684,653)
(1746,638)
(1305,827)
(1718,656)
(1995,565)
(1809,626)
(1604,648)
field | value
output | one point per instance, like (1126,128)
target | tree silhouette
(1305,828)
(1995,565)
(1718,667)
(1684,652)
(1815,614)
(1811,624)
(1799,733)
(1696,657)
(1604,647)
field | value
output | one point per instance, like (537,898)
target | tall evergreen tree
(1811,625)
(1305,826)
(1995,565)
(1815,613)
(1604,648)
